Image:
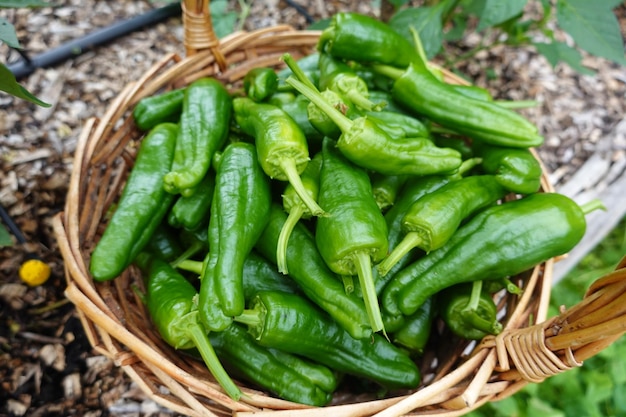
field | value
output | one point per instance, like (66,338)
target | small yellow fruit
(34,272)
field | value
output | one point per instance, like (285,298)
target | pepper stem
(201,341)
(363,102)
(363,264)
(470,312)
(191,266)
(288,166)
(348,283)
(297,71)
(388,71)
(410,241)
(343,122)
(593,205)
(295,214)
(249,317)
(474,301)
(188,253)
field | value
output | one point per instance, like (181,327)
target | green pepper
(385,189)
(415,332)
(293,204)
(164,243)
(141,208)
(204,124)
(353,36)
(355,233)
(515,169)
(170,301)
(499,241)
(260,83)
(461,145)
(291,323)
(308,269)
(418,90)
(468,311)
(191,212)
(337,76)
(320,120)
(239,213)
(366,144)
(432,220)
(281,146)
(288,376)
(159,108)
(398,125)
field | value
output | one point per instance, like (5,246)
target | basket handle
(199,34)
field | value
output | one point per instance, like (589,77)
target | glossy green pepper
(308,269)
(385,189)
(191,212)
(286,375)
(293,204)
(159,108)
(517,170)
(170,301)
(291,323)
(431,221)
(204,124)
(142,206)
(416,330)
(418,90)
(398,125)
(260,83)
(164,243)
(468,311)
(356,37)
(239,213)
(367,145)
(296,107)
(281,146)
(499,241)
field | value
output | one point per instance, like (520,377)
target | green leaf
(398,3)
(459,24)
(427,22)
(556,52)
(599,387)
(593,26)
(5,237)
(7,34)
(224,21)
(16,4)
(9,84)
(537,407)
(498,11)
(320,24)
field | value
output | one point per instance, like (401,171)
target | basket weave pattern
(456,378)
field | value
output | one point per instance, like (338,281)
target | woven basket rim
(486,373)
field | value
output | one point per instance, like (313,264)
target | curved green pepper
(288,376)
(239,213)
(355,233)
(398,125)
(308,269)
(290,323)
(515,169)
(353,36)
(366,144)
(260,83)
(432,220)
(142,206)
(500,241)
(281,146)
(191,212)
(170,301)
(204,124)
(159,108)
(415,332)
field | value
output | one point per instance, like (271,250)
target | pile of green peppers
(314,224)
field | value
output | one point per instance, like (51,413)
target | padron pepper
(500,241)
(159,108)
(284,374)
(468,311)
(260,83)
(291,323)
(191,212)
(171,302)
(282,148)
(361,38)
(431,220)
(308,269)
(142,206)
(204,124)
(419,91)
(517,170)
(367,145)
(416,329)
(293,204)
(296,107)
(355,233)
(239,213)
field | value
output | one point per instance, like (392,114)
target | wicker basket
(456,378)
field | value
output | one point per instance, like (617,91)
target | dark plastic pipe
(74,48)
